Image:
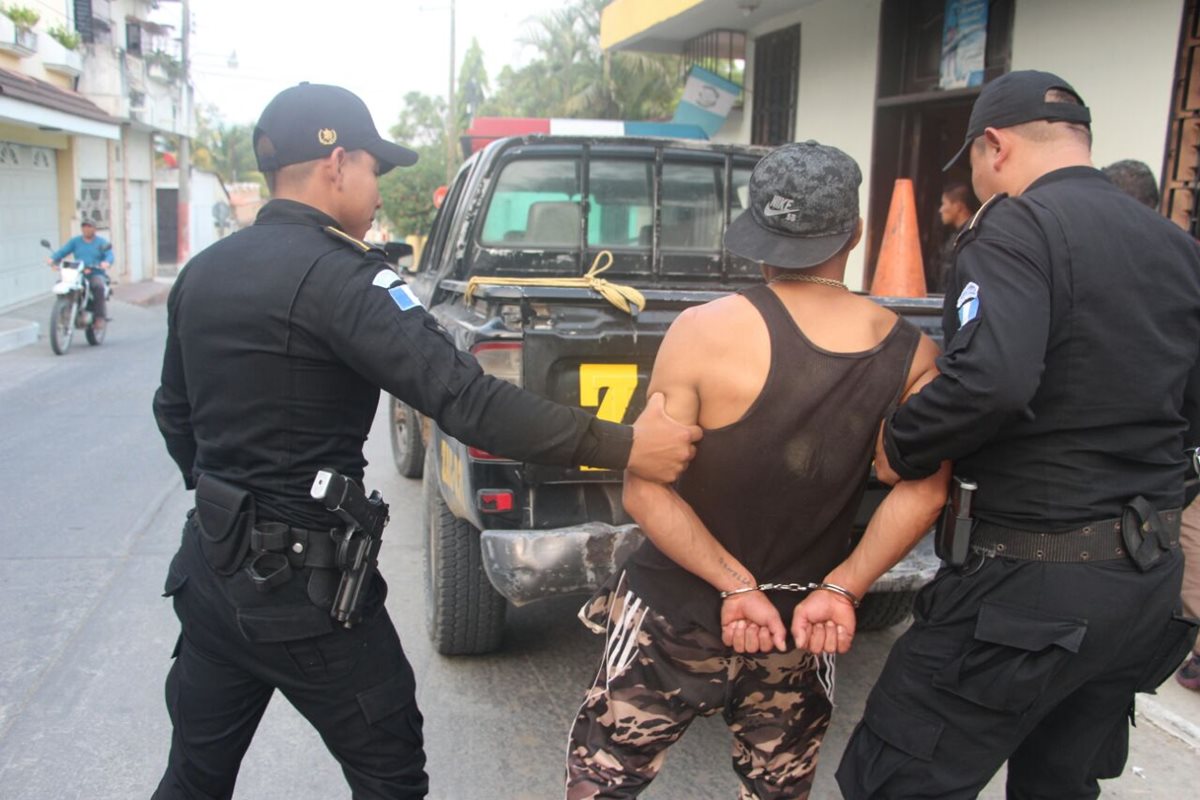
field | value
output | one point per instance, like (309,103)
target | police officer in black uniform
(1068,390)
(279,339)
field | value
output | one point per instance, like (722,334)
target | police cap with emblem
(306,122)
(1017,98)
(803,207)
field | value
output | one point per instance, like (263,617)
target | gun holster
(1145,535)
(952,534)
(225,514)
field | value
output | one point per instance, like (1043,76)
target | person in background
(1135,179)
(95,253)
(958,206)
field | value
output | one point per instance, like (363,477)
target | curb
(1152,709)
(15,333)
(143,293)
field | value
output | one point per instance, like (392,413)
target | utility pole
(185,145)
(451,117)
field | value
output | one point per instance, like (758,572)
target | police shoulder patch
(404,298)
(385,278)
(968,303)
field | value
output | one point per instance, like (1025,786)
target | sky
(379,49)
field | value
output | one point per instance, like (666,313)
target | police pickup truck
(553,212)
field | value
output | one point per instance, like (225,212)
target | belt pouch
(1145,536)
(225,513)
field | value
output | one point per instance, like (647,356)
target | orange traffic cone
(900,271)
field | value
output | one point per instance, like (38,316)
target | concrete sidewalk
(1175,710)
(22,325)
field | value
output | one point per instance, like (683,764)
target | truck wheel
(463,613)
(408,451)
(884,609)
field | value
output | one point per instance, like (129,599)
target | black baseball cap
(803,207)
(306,122)
(1016,98)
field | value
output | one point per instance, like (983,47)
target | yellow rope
(626,298)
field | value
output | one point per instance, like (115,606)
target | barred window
(721,52)
(94,205)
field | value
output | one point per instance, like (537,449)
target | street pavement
(92,508)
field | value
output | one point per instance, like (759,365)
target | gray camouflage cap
(803,207)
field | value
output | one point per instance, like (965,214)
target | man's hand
(883,469)
(750,623)
(824,623)
(105,265)
(662,447)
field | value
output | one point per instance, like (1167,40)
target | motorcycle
(73,307)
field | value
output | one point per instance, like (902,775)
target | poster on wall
(964,42)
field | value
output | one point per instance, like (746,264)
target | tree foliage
(570,76)
(227,150)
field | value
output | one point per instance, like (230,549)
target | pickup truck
(548,208)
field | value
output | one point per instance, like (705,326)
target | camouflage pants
(654,680)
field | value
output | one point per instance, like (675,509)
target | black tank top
(779,488)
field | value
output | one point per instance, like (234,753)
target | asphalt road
(91,512)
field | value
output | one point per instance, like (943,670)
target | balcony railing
(22,41)
(57,58)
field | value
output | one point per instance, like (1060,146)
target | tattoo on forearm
(737,576)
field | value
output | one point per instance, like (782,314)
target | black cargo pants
(355,686)
(1028,662)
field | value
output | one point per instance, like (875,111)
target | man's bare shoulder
(710,319)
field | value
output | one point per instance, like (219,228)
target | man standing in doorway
(957,208)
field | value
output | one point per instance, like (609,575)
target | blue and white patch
(401,294)
(385,278)
(968,303)
(404,297)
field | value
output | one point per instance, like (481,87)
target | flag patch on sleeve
(968,303)
(404,297)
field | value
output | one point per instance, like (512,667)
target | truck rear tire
(463,613)
(884,609)
(408,451)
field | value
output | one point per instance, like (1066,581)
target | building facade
(86,89)
(869,76)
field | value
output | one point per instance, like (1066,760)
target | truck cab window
(535,205)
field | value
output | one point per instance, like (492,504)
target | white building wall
(839,51)
(1119,56)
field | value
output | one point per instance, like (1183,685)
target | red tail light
(500,359)
(495,501)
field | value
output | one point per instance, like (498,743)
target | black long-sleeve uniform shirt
(1069,382)
(279,339)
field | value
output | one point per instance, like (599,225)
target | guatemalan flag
(706,100)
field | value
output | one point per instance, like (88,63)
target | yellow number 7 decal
(619,379)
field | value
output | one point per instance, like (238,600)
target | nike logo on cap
(780,206)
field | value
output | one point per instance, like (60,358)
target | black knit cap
(1020,97)
(803,207)
(306,122)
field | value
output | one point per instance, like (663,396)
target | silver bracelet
(843,591)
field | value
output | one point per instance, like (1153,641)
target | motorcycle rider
(95,253)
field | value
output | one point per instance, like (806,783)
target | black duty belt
(278,549)
(1096,541)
